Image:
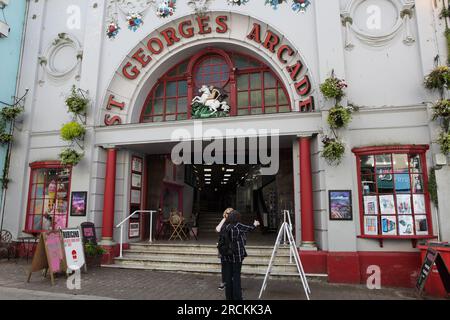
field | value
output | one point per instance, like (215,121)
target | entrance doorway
(201,192)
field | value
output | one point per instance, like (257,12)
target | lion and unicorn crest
(211,103)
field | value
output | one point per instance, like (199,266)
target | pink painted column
(306,193)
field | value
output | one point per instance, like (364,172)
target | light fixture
(227,175)
(230,170)
(207,175)
(226,179)
(207,170)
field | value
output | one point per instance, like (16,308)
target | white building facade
(270,63)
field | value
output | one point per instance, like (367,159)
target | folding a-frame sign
(286,232)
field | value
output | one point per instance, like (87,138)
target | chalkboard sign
(433,257)
(88,232)
(49,255)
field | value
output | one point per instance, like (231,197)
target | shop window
(394,202)
(250,87)
(48,198)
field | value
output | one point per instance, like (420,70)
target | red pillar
(306,193)
(109,196)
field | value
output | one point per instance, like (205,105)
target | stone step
(197,248)
(202,266)
(201,256)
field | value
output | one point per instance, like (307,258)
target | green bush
(432,187)
(438,79)
(70,157)
(339,117)
(76,103)
(333,151)
(72,130)
(444,142)
(93,250)
(333,88)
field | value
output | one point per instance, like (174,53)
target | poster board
(432,256)
(74,250)
(88,232)
(49,255)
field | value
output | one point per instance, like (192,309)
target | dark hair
(233,217)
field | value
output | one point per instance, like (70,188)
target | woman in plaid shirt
(233,263)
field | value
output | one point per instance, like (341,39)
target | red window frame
(189,75)
(31,201)
(409,150)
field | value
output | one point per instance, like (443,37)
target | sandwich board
(49,255)
(432,257)
(74,251)
(286,233)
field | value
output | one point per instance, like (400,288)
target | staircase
(197,258)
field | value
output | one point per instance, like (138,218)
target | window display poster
(404,204)
(371,225)
(136,180)
(134,229)
(419,203)
(389,225)
(136,164)
(421,225)
(387,204)
(136,196)
(405,225)
(370,205)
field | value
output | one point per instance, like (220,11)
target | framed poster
(135,196)
(78,204)
(340,204)
(134,230)
(421,224)
(387,205)
(136,180)
(405,225)
(88,232)
(370,205)
(136,165)
(419,203)
(371,225)
(404,204)
(389,225)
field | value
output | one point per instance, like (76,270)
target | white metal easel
(286,232)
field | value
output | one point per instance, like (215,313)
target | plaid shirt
(239,237)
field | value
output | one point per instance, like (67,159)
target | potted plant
(70,157)
(76,103)
(333,150)
(72,131)
(94,254)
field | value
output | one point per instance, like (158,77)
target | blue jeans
(232,272)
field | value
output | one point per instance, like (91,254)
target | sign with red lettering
(73,247)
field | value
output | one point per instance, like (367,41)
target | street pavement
(108,283)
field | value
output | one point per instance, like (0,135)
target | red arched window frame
(189,76)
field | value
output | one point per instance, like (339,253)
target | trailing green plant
(5,137)
(11,113)
(441,111)
(339,117)
(333,150)
(444,142)
(438,79)
(72,131)
(70,157)
(93,250)
(333,88)
(76,102)
(432,187)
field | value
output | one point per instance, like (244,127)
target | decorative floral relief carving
(64,50)
(376,23)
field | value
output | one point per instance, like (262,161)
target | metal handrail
(130,216)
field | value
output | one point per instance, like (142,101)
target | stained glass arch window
(250,86)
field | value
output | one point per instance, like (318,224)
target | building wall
(10,53)
(385,80)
